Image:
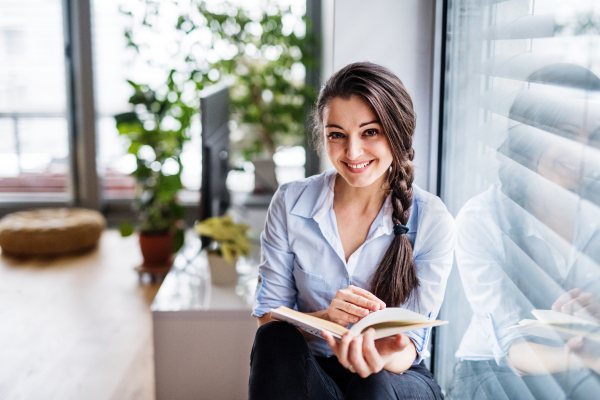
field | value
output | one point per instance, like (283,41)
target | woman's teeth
(570,166)
(357,166)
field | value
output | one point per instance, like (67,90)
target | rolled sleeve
(496,302)
(420,338)
(276,285)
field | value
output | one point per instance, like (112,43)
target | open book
(556,325)
(386,322)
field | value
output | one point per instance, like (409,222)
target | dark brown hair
(396,277)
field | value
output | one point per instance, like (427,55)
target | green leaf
(126,229)
(178,240)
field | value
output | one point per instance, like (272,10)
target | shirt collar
(316,195)
(317,199)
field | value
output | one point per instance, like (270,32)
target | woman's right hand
(352,304)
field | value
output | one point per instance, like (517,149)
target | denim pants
(282,366)
(482,380)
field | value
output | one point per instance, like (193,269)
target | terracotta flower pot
(222,273)
(156,249)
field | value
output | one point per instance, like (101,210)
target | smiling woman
(349,242)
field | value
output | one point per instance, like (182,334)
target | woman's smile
(358,167)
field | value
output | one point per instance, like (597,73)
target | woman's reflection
(532,241)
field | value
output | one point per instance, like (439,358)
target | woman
(348,242)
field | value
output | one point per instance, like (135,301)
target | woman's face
(355,142)
(565,160)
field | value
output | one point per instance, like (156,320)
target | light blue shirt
(494,268)
(303,263)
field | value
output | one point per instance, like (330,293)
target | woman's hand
(366,356)
(352,304)
(587,350)
(578,303)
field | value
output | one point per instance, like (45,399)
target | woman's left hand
(363,354)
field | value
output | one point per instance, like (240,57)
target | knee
(375,386)
(275,337)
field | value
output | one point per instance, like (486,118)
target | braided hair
(395,281)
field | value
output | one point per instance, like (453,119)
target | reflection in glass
(529,242)
(526,197)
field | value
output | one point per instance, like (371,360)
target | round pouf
(50,232)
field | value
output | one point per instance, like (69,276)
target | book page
(554,317)
(308,323)
(556,331)
(396,314)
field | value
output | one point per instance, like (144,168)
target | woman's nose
(354,149)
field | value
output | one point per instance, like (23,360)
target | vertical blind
(521,175)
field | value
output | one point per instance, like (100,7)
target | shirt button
(259,279)
(488,316)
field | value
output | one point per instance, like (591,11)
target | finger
(359,300)
(338,315)
(350,308)
(578,303)
(575,343)
(342,318)
(370,353)
(367,294)
(343,349)
(565,298)
(331,341)
(355,357)
(587,312)
(392,344)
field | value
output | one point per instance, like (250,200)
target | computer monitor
(214,115)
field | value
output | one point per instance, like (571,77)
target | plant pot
(156,249)
(222,273)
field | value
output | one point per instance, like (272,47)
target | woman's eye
(334,135)
(371,132)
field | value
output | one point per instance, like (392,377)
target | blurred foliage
(158,164)
(231,238)
(252,49)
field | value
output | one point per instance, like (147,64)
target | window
(34,145)
(521,175)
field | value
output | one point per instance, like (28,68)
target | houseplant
(158,172)
(261,50)
(230,241)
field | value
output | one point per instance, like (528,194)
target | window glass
(115,62)
(34,145)
(521,175)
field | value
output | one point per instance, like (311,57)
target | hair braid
(399,273)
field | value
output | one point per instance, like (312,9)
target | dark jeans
(282,366)
(481,380)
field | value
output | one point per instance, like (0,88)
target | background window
(34,145)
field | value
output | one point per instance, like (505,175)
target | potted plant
(230,241)
(263,52)
(158,173)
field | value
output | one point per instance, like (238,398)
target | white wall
(397,34)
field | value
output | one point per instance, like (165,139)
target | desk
(203,334)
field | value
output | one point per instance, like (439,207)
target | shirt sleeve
(435,253)
(276,285)
(490,292)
